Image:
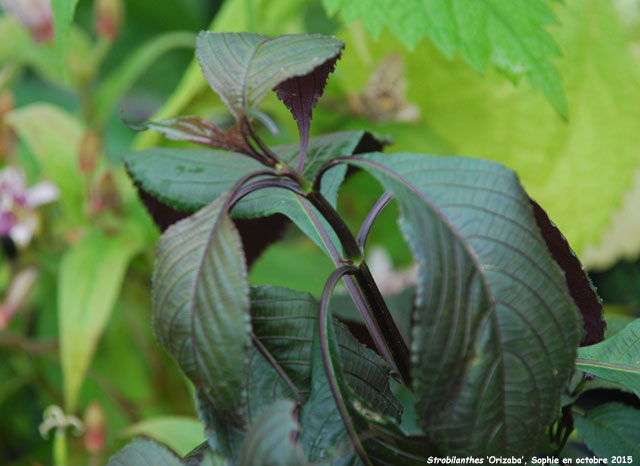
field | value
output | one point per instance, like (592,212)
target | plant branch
(375,211)
(376,314)
(266,152)
(278,368)
(354,291)
(323,322)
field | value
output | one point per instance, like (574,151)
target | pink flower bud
(35,14)
(108,18)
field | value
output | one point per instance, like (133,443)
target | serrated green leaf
(324,436)
(53,136)
(243,67)
(90,277)
(486,117)
(271,439)
(187,179)
(180,433)
(616,359)
(142,452)
(201,304)
(511,35)
(611,429)
(495,331)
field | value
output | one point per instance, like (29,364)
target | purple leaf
(580,287)
(300,94)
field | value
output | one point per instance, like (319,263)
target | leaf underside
(580,286)
(495,328)
(611,429)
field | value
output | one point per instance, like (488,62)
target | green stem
(60,447)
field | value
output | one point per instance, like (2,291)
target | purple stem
(323,323)
(371,218)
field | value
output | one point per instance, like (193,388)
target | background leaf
(180,433)
(242,67)
(616,359)
(515,127)
(63,11)
(144,452)
(511,35)
(53,136)
(494,324)
(611,429)
(90,276)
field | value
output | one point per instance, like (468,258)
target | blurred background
(76,348)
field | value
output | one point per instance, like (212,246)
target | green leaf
(482,116)
(120,80)
(201,304)
(90,276)
(611,429)
(187,179)
(53,136)
(63,11)
(616,359)
(242,67)
(511,35)
(285,323)
(271,439)
(495,329)
(323,432)
(141,452)
(180,433)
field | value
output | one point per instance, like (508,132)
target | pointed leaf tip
(301,93)
(242,67)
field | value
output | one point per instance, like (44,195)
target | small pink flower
(18,218)
(35,14)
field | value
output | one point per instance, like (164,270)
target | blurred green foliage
(82,335)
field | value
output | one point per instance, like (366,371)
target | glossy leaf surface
(496,330)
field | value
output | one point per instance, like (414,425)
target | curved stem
(349,244)
(371,218)
(355,292)
(323,322)
(266,152)
(260,184)
(278,368)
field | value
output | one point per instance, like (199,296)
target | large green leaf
(271,439)
(180,433)
(611,429)
(187,179)
(53,136)
(495,329)
(616,359)
(242,67)
(142,452)
(90,276)
(323,430)
(511,35)
(63,11)
(285,323)
(201,304)
(482,116)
